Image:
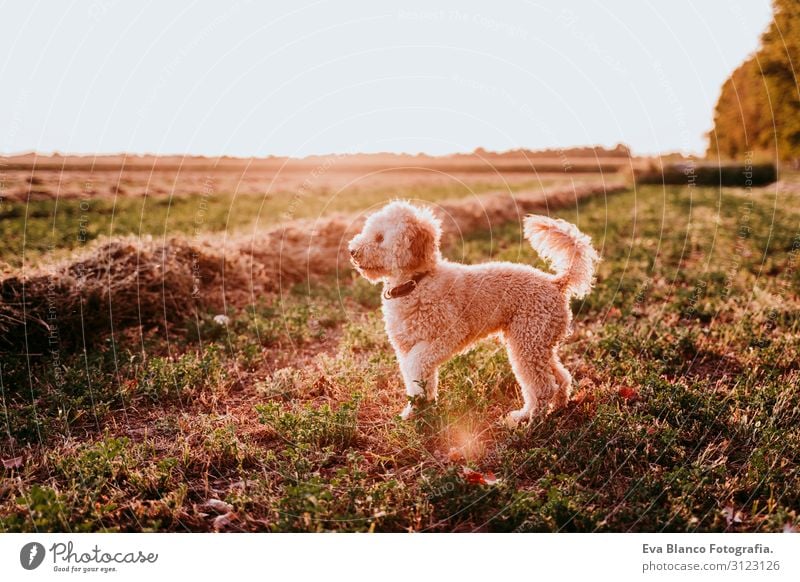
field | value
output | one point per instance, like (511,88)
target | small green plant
(42,509)
(164,377)
(93,467)
(320,426)
(284,383)
(224,448)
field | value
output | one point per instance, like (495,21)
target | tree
(759,105)
(780,53)
(742,118)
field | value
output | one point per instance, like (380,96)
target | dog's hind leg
(563,382)
(531,364)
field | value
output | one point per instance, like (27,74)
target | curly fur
(454,305)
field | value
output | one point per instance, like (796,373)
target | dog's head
(398,240)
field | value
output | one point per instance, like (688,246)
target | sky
(247,78)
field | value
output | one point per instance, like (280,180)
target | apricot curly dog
(434,308)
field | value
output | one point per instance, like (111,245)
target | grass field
(685,415)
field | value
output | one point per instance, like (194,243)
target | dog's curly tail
(567,249)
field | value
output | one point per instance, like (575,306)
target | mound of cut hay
(300,250)
(117,284)
(140,282)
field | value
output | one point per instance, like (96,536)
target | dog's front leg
(419,367)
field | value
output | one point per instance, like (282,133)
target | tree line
(759,107)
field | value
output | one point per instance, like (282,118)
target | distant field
(685,416)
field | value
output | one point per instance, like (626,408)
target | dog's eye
(379,238)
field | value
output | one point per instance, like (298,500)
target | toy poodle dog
(433,308)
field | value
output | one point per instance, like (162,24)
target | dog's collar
(406,288)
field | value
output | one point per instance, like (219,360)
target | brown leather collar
(406,288)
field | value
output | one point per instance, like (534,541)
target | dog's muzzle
(354,257)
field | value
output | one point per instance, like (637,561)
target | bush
(734,175)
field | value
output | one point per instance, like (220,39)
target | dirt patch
(714,367)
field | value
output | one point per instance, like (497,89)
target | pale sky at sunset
(298,78)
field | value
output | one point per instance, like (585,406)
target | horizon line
(477,151)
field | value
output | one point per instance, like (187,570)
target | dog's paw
(407,412)
(514,418)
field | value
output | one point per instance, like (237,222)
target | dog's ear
(420,241)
